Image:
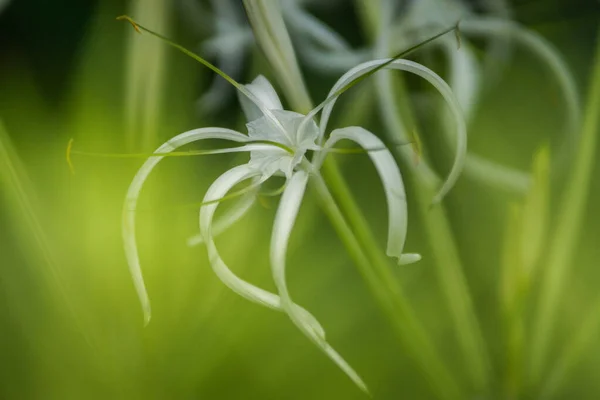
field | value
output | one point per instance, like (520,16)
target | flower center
(278,160)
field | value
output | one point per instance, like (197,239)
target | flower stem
(439,232)
(374,268)
(569,221)
(145,75)
(349,222)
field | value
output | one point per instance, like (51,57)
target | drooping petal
(264,92)
(233,215)
(438,83)
(392,184)
(129,208)
(218,189)
(540,47)
(284,222)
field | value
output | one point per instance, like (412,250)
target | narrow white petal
(438,83)
(392,184)
(264,92)
(129,208)
(464,74)
(284,222)
(409,258)
(245,289)
(233,215)
(540,47)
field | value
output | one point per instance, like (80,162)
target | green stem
(565,237)
(145,76)
(454,285)
(382,283)
(351,226)
(439,232)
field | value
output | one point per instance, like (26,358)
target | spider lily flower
(278,142)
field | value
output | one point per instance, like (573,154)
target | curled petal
(284,222)
(392,184)
(438,83)
(245,289)
(129,208)
(465,82)
(234,214)
(540,47)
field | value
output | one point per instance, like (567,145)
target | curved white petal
(264,92)
(393,186)
(437,82)
(546,52)
(233,215)
(218,189)
(129,208)
(464,75)
(284,222)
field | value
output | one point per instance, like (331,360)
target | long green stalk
(145,75)
(349,222)
(388,293)
(439,232)
(565,238)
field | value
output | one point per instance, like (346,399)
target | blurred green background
(70,323)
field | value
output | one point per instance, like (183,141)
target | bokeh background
(70,322)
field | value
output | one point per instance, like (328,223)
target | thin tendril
(270,116)
(70,152)
(358,79)
(361,150)
(68,155)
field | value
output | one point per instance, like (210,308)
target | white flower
(278,142)
(323,49)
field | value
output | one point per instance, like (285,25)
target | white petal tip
(147,317)
(409,258)
(364,388)
(195,241)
